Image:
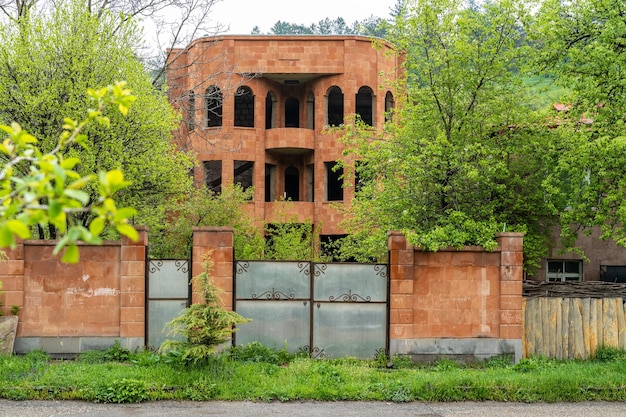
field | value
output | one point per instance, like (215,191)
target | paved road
(308,409)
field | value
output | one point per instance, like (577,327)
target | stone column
(218,242)
(12,278)
(133,288)
(401,258)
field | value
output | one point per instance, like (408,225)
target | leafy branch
(38,188)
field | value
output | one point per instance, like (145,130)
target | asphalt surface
(308,409)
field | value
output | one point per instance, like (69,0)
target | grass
(257,373)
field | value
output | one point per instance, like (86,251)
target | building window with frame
(365,105)
(334,182)
(562,270)
(213,102)
(244,174)
(244,107)
(213,175)
(334,106)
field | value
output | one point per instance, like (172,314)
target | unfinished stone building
(255,107)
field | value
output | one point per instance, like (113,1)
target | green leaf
(6,237)
(71,254)
(128,231)
(18,228)
(96,226)
(79,195)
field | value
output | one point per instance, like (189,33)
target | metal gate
(168,293)
(327,310)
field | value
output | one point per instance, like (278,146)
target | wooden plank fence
(572,328)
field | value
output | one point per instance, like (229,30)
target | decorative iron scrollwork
(242,267)
(381,270)
(350,298)
(304,267)
(320,269)
(182,266)
(156,266)
(274,295)
(317,353)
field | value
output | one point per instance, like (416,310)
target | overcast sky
(243,15)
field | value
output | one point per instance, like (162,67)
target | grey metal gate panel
(350,310)
(168,294)
(327,310)
(276,296)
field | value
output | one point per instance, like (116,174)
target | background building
(255,107)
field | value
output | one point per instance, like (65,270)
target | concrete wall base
(466,350)
(69,347)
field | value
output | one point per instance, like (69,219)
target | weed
(117,353)
(92,356)
(445,364)
(122,391)
(609,354)
(257,352)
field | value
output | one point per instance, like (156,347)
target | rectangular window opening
(334,182)
(213,175)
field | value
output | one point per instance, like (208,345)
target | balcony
(288,140)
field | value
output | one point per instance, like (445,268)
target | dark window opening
(334,108)
(334,182)
(270,114)
(292,184)
(270,182)
(244,107)
(213,175)
(311,112)
(365,105)
(213,109)
(288,241)
(358,175)
(310,182)
(244,174)
(612,273)
(292,112)
(389,106)
(191,110)
(329,248)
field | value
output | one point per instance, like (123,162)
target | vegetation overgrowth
(258,373)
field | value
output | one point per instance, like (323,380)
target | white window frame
(561,275)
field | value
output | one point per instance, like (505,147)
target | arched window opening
(213,101)
(191,110)
(310,117)
(365,105)
(292,112)
(390,104)
(244,107)
(292,184)
(334,106)
(270,110)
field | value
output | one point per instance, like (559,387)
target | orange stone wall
(471,298)
(66,308)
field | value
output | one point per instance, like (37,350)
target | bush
(203,326)
(609,354)
(257,352)
(122,391)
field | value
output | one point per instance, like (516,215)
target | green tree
(582,44)
(202,207)
(203,326)
(462,160)
(47,63)
(38,188)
